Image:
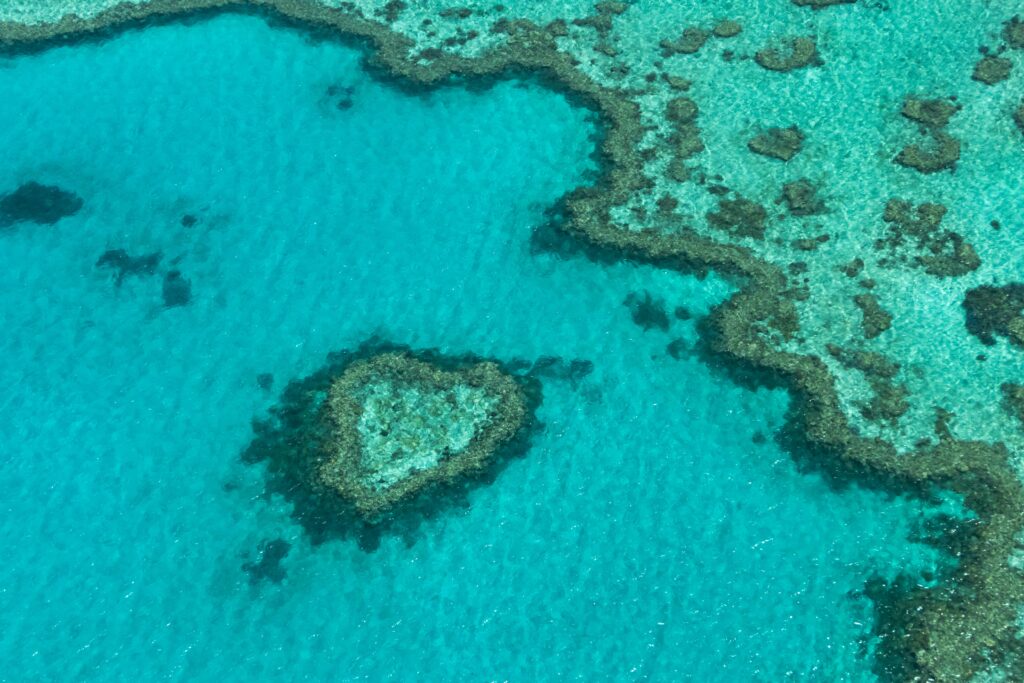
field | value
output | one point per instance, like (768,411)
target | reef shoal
(384,435)
(809,280)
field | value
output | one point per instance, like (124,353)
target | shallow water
(644,536)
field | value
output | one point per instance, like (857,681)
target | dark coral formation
(821,4)
(939,152)
(876,319)
(691,41)
(996,312)
(1013,33)
(888,400)
(930,112)
(268,567)
(1013,399)
(917,235)
(727,28)
(34,202)
(790,54)
(398,425)
(801,198)
(177,290)
(552,367)
(777,143)
(1018,117)
(366,444)
(991,69)
(124,264)
(952,631)
(682,113)
(739,217)
(647,312)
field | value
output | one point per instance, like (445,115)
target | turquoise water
(645,536)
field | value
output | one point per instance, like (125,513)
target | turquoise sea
(654,530)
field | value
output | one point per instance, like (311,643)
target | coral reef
(740,217)
(399,424)
(691,41)
(727,28)
(940,152)
(962,626)
(996,311)
(646,311)
(801,198)
(123,264)
(359,444)
(777,143)
(1013,33)
(790,54)
(177,291)
(821,4)
(876,319)
(991,69)
(37,203)
(942,253)
(268,567)
(931,112)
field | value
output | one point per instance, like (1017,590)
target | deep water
(297,206)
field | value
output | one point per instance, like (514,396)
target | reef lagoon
(536,341)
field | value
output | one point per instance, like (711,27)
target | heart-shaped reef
(383,435)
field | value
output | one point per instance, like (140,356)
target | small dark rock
(37,203)
(188,220)
(682,313)
(177,290)
(265,381)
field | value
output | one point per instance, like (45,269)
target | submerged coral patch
(790,54)
(777,143)
(996,312)
(384,435)
(34,202)
(124,264)
(177,290)
(268,567)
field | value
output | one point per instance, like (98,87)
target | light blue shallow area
(643,537)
